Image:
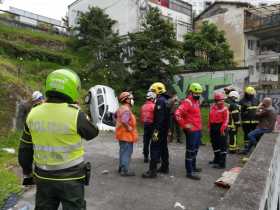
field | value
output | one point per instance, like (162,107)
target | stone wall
(257,186)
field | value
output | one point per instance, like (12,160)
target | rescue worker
(217,125)
(188,117)
(158,146)
(227,91)
(174,127)
(37,98)
(249,105)
(147,119)
(234,120)
(25,107)
(126,132)
(52,139)
(267,116)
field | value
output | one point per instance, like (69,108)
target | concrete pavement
(112,192)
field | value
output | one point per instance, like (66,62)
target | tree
(101,48)
(207,49)
(154,52)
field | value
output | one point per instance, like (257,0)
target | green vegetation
(9,182)
(13,33)
(18,50)
(205,133)
(101,48)
(155,53)
(26,57)
(207,49)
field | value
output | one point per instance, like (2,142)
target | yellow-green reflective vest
(56,143)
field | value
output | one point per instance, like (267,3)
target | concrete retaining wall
(257,186)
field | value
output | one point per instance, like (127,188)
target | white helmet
(234,94)
(37,95)
(151,95)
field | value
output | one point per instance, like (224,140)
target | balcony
(263,20)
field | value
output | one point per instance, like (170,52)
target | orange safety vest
(121,130)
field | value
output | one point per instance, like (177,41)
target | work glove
(28,180)
(155,136)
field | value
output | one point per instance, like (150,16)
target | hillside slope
(26,58)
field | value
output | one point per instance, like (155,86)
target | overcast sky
(52,8)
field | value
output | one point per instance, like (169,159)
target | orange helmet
(124,96)
(219,96)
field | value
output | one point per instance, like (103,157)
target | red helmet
(218,96)
(125,95)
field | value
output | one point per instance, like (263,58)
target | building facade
(33,19)
(253,35)
(130,14)
(262,32)
(200,5)
(229,17)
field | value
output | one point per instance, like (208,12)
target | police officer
(189,118)
(234,120)
(158,146)
(52,140)
(249,105)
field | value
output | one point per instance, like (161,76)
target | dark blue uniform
(248,116)
(159,149)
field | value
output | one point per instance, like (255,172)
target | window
(251,44)
(100,99)
(251,70)
(182,29)
(270,68)
(101,110)
(180,7)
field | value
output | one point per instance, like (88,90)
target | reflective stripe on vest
(252,107)
(248,121)
(69,148)
(60,167)
(53,128)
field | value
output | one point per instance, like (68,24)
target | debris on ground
(22,205)
(105,172)
(244,160)
(179,205)
(9,150)
(228,177)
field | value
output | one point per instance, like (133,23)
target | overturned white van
(103,104)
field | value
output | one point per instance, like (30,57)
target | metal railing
(256,22)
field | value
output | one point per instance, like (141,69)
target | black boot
(152,172)
(193,177)
(216,159)
(219,166)
(149,175)
(163,170)
(146,159)
(197,170)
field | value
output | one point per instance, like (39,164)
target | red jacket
(189,113)
(147,112)
(218,115)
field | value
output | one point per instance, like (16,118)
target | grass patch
(14,32)
(17,50)
(205,132)
(9,182)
